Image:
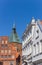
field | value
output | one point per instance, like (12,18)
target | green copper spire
(14,37)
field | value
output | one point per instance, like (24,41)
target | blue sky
(20,12)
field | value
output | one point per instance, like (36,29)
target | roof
(3,38)
(14,36)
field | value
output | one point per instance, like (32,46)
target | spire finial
(33,20)
(14,25)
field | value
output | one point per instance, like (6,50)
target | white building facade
(32,43)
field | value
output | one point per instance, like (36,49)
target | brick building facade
(10,49)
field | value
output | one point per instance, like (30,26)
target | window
(4,46)
(37,37)
(2,41)
(6,42)
(12,63)
(41,40)
(9,51)
(9,56)
(2,51)
(37,31)
(34,49)
(41,44)
(37,47)
(5,56)
(13,56)
(1,56)
(5,51)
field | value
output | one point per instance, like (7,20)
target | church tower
(15,41)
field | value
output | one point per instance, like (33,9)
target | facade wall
(34,48)
(37,44)
(9,51)
(27,47)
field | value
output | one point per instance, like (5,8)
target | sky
(19,12)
